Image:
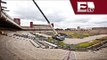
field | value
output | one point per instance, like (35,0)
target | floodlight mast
(45,17)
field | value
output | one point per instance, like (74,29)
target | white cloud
(59,12)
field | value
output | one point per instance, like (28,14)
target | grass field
(77,35)
(79,45)
(87,44)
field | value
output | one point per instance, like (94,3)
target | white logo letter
(81,5)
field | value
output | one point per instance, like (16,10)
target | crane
(56,36)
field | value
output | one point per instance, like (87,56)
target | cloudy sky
(59,12)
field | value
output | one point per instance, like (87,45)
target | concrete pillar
(17,20)
(0,8)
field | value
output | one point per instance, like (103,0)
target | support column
(0,8)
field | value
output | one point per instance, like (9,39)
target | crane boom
(45,17)
(56,35)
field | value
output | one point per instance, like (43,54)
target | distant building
(42,27)
(58,29)
(71,29)
(99,28)
(37,27)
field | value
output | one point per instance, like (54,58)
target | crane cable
(45,17)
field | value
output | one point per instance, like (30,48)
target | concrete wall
(99,31)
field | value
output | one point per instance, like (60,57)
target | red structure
(31,24)
(17,20)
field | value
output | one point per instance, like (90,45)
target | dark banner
(89,6)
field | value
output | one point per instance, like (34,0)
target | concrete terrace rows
(19,49)
(90,55)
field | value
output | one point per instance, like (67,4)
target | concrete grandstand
(25,43)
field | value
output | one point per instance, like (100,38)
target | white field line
(66,55)
(75,55)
